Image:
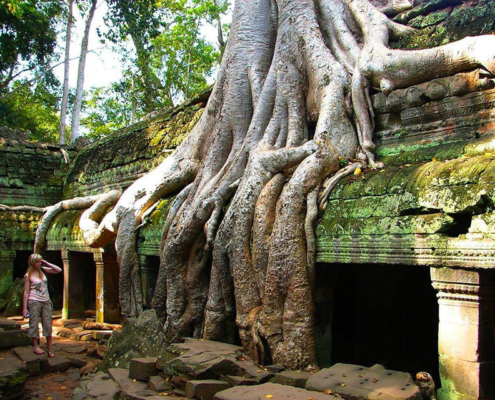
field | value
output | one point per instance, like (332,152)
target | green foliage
(183,57)
(33,109)
(28,31)
(172,60)
(106,110)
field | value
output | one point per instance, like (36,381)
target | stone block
(31,360)
(101,335)
(142,368)
(357,382)
(56,364)
(10,339)
(241,381)
(205,359)
(276,368)
(101,387)
(131,388)
(292,378)
(206,389)
(81,336)
(76,349)
(78,362)
(8,325)
(276,391)
(158,384)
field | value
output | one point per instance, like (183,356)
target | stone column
(6,268)
(100,287)
(466,333)
(65,296)
(73,297)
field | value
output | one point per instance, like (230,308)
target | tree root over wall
(250,267)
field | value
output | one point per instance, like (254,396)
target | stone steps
(12,338)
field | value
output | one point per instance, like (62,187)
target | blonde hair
(33,259)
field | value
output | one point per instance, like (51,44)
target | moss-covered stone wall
(438,212)
(443,21)
(31,173)
(119,159)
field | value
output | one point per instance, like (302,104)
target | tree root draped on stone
(249,268)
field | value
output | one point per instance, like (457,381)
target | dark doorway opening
(149,271)
(21,263)
(385,314)
(82,285)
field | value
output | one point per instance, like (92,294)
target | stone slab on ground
(142,368)
(75,349)
(78,362)
(158,384)
(292,378)
(279,392)
(133,389)
(205,359)
(358,382)
(205,389)
(240,380)
(102,387)
(31,360)
(82,335)
(62,332)
(74,376)
(63,343)
(58,363)
(14,338)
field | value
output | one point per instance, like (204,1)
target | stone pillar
(466,333)
(100,287)
(65,296)
(73,297)
(6,268)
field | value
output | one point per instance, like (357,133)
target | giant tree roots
(292,98)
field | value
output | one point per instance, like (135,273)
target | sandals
(50,354)
(39,351)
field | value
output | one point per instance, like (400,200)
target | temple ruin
(405,273)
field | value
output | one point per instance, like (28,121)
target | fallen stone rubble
(75,354)
(206,370)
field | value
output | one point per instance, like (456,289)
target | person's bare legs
(49,347)
(36,346)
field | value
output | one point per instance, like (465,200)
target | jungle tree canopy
(291,98)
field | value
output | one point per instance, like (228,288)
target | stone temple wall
(31,174)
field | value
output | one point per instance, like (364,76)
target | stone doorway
(81,286)
(385,314)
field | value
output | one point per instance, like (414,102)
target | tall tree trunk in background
(76,114)
(221,41)
(63,107)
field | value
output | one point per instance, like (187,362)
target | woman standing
(37,301)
